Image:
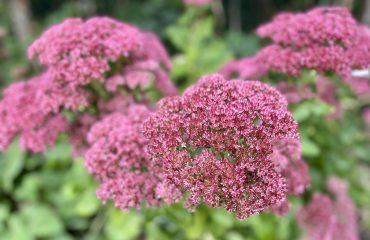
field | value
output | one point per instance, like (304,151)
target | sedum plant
(281,146)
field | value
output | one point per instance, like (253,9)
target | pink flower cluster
(215,143)
(78,53)
(21,112)
(82,61)
(118,159)
(288,161)
(330,218)
(319,26)
(324,39)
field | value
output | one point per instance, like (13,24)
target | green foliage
(200,51)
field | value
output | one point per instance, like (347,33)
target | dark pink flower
(215,143)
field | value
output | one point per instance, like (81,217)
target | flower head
(102,50)
(215,143)
(326,39)
(118,159)
(319,26)
(78,52)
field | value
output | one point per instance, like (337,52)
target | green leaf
(87,203)
(124,226)
(309,148)
(59,151)
(28,190)
(302,111)
(4,212)
(41,220)
(11,165)
(18,230)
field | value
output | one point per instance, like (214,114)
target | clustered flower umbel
(215,143)
(330,217)
(94,70)
(82,59)
(103,50)
(324,39)
(118,159)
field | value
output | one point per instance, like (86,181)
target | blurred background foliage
(51,196)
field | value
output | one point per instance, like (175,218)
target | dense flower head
(319,26)
(330,217)
(291,62)
(103,50)
(215,143)
(79,52)
(326,39)
(117,158)
(21,113)
(359,53)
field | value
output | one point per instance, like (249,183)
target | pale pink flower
(21,113)
(330,218)
(117,158)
